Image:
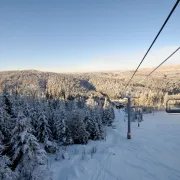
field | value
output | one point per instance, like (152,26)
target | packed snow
(153,153)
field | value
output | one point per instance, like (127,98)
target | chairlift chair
(171,108)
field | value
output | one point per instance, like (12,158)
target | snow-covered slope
(153,153)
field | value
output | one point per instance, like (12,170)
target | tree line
(152,91)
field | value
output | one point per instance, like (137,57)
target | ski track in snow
(153,153)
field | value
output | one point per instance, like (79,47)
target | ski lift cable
(171,12)
(161,64)
(168,110)
(146,76)
(163,61)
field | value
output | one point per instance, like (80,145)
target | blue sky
(85,35)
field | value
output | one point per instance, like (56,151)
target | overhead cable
(164,61)
(174,7)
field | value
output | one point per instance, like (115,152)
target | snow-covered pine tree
(25,147)
(6,124)
(99,109)
(8,104)
(78,128)
(5,172)
(43,131)
(69,135)
(108,113)
(18,103)
(60,125)
(69,105)
(1,142)
(93,125)
(94,114)
(35,112)
(51,117)
(99,117)
(48,108)
(100,125)
(112,114)
(80,102)
(89,123)
(27,109)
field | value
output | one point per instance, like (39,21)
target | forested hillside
(151,90)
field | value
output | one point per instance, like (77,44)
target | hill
(36,83)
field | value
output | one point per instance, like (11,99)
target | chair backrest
(173,106)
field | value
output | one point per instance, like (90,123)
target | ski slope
(153,153)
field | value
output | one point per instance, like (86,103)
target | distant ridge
(162,68)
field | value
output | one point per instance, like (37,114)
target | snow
(153,153)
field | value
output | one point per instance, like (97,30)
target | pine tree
(1,142)
(108,113)
(93,125)
(78,128)
(27,110)
(100,125)
(112,114)
(94,115)
(6,124)
(7,103)
(69,105)
(69,136)
(43,131)
(80,103)
(25,147)
(35,112)
(18,104)
(60,125)
(49,108)
(5,172)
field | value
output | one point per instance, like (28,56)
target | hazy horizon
(116,70)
